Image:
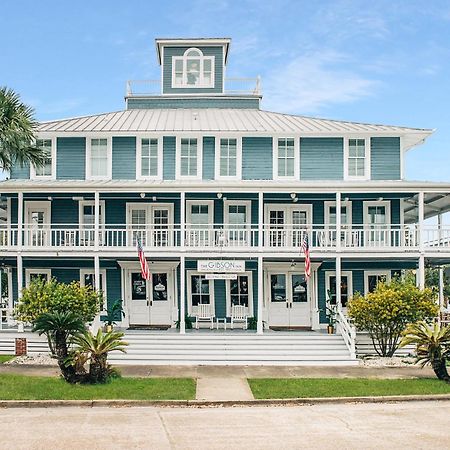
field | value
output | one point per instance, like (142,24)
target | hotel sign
(220,266)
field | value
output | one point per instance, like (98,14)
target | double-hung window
(189,157)
(228,160)
(285,158)
(149,163)
(99,159)
(357,159)
(47,169)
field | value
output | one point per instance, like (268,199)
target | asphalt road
(411,425)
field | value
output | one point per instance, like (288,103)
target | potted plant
(188,322)
(331,317)
(112,314)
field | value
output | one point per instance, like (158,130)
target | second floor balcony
(213,237)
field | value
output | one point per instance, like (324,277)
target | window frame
(332,204)
(89,175)
(344,273)
(367,158)
(217,158)
(28,272)
(190,203)
(159,170)
(199,175)
(387,205)
(185,58)
(84,272)
(276,146)
(52,176)
(368,273)
(190,307)
(83,203)
(249,274)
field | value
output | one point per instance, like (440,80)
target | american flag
(144,266)
(305,250)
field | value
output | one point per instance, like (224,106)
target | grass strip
(20,387)
(4,358)
(269,388)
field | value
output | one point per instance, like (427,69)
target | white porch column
(338,249)
(338,281)
(441,287)
(182,263)
(260,325)
(421,274)
(19,253)
(96,219)
(19,286)
(20,220)
(96,324)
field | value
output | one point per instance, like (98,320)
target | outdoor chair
(239,314)
(204,314)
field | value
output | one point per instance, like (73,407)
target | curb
(218,404)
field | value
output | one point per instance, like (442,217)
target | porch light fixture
(142,194)
(293,263)
(295,200)
(293,195)
(380,199)
(219,195)
(346,199)
(154,198)
(77,199)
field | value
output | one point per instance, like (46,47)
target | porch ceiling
(434,204)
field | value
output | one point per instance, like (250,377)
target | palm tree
(97,348)
(59,327)
(17,132)
(432,346)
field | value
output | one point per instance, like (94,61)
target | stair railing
(347,331)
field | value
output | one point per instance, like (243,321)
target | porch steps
(233,348)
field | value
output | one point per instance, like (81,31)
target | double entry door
(151,223)
(150,302)
(287,225)
(289,300)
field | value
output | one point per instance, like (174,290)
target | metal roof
(252,121)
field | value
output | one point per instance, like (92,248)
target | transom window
(357,158)
(193,69)
(286,157)
(98,162)
(47,169)
(149,157)
(228,157)
(188,157)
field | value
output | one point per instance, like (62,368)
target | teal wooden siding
(71,158)
(169,157)
(257,158)
(19,173)
(169,52)
(385,158)
(66,275)
(209,152)
(124,158)
(197,103)
(65,211)
(321,158)
(113,286)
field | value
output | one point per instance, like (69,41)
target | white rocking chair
(204,314)
(239,314)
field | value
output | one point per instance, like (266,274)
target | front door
(152,307)
(287,225)
(37,228)
(289,300)
(377,220)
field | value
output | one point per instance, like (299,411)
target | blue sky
(379,62)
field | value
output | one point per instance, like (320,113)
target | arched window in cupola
(193,70)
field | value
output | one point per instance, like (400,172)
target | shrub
(42,297)
(386,312)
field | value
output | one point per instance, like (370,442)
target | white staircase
(236,348)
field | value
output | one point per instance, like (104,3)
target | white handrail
(347,331)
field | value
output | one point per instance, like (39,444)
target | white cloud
(312,82)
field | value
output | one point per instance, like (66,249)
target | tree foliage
(17,132)
(42,297)
(386,312)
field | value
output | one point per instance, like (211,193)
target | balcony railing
(274,237)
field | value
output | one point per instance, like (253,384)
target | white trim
(190,310)
(288,208)
(82,203)
(33,175)
(185,58)
(385,203)
(89,139)
(45,205)
(210,204)
(28,272)
(367,157)
(275,149)
(159,174)
(217,175)
(149,207)
(84,272)
(344,273)
(347,203)
(386,273)
(249,274)
(199,175)
(246,203)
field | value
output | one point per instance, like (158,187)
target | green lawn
(4,358)
(20,387)
(343,387)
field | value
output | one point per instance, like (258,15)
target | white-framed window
(373,277)
(200,291)
(35,274)
(48,170)
(87,277)
(98,158)
(240,292)
(193,70)
(86,213)
(189,157)
(357,158)
(285,158)
(228,158)
(149,158)
(346,287)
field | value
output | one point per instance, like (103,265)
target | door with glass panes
(237,216)
(199,223)
(37,230)
(289,300)
(377,220)
(239,294)
(287,225)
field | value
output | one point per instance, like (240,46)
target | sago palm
(17,132)
(432,346)
(97,348)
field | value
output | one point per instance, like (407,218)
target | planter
(108,328)
(330,329)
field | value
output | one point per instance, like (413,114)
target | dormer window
(193,70)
